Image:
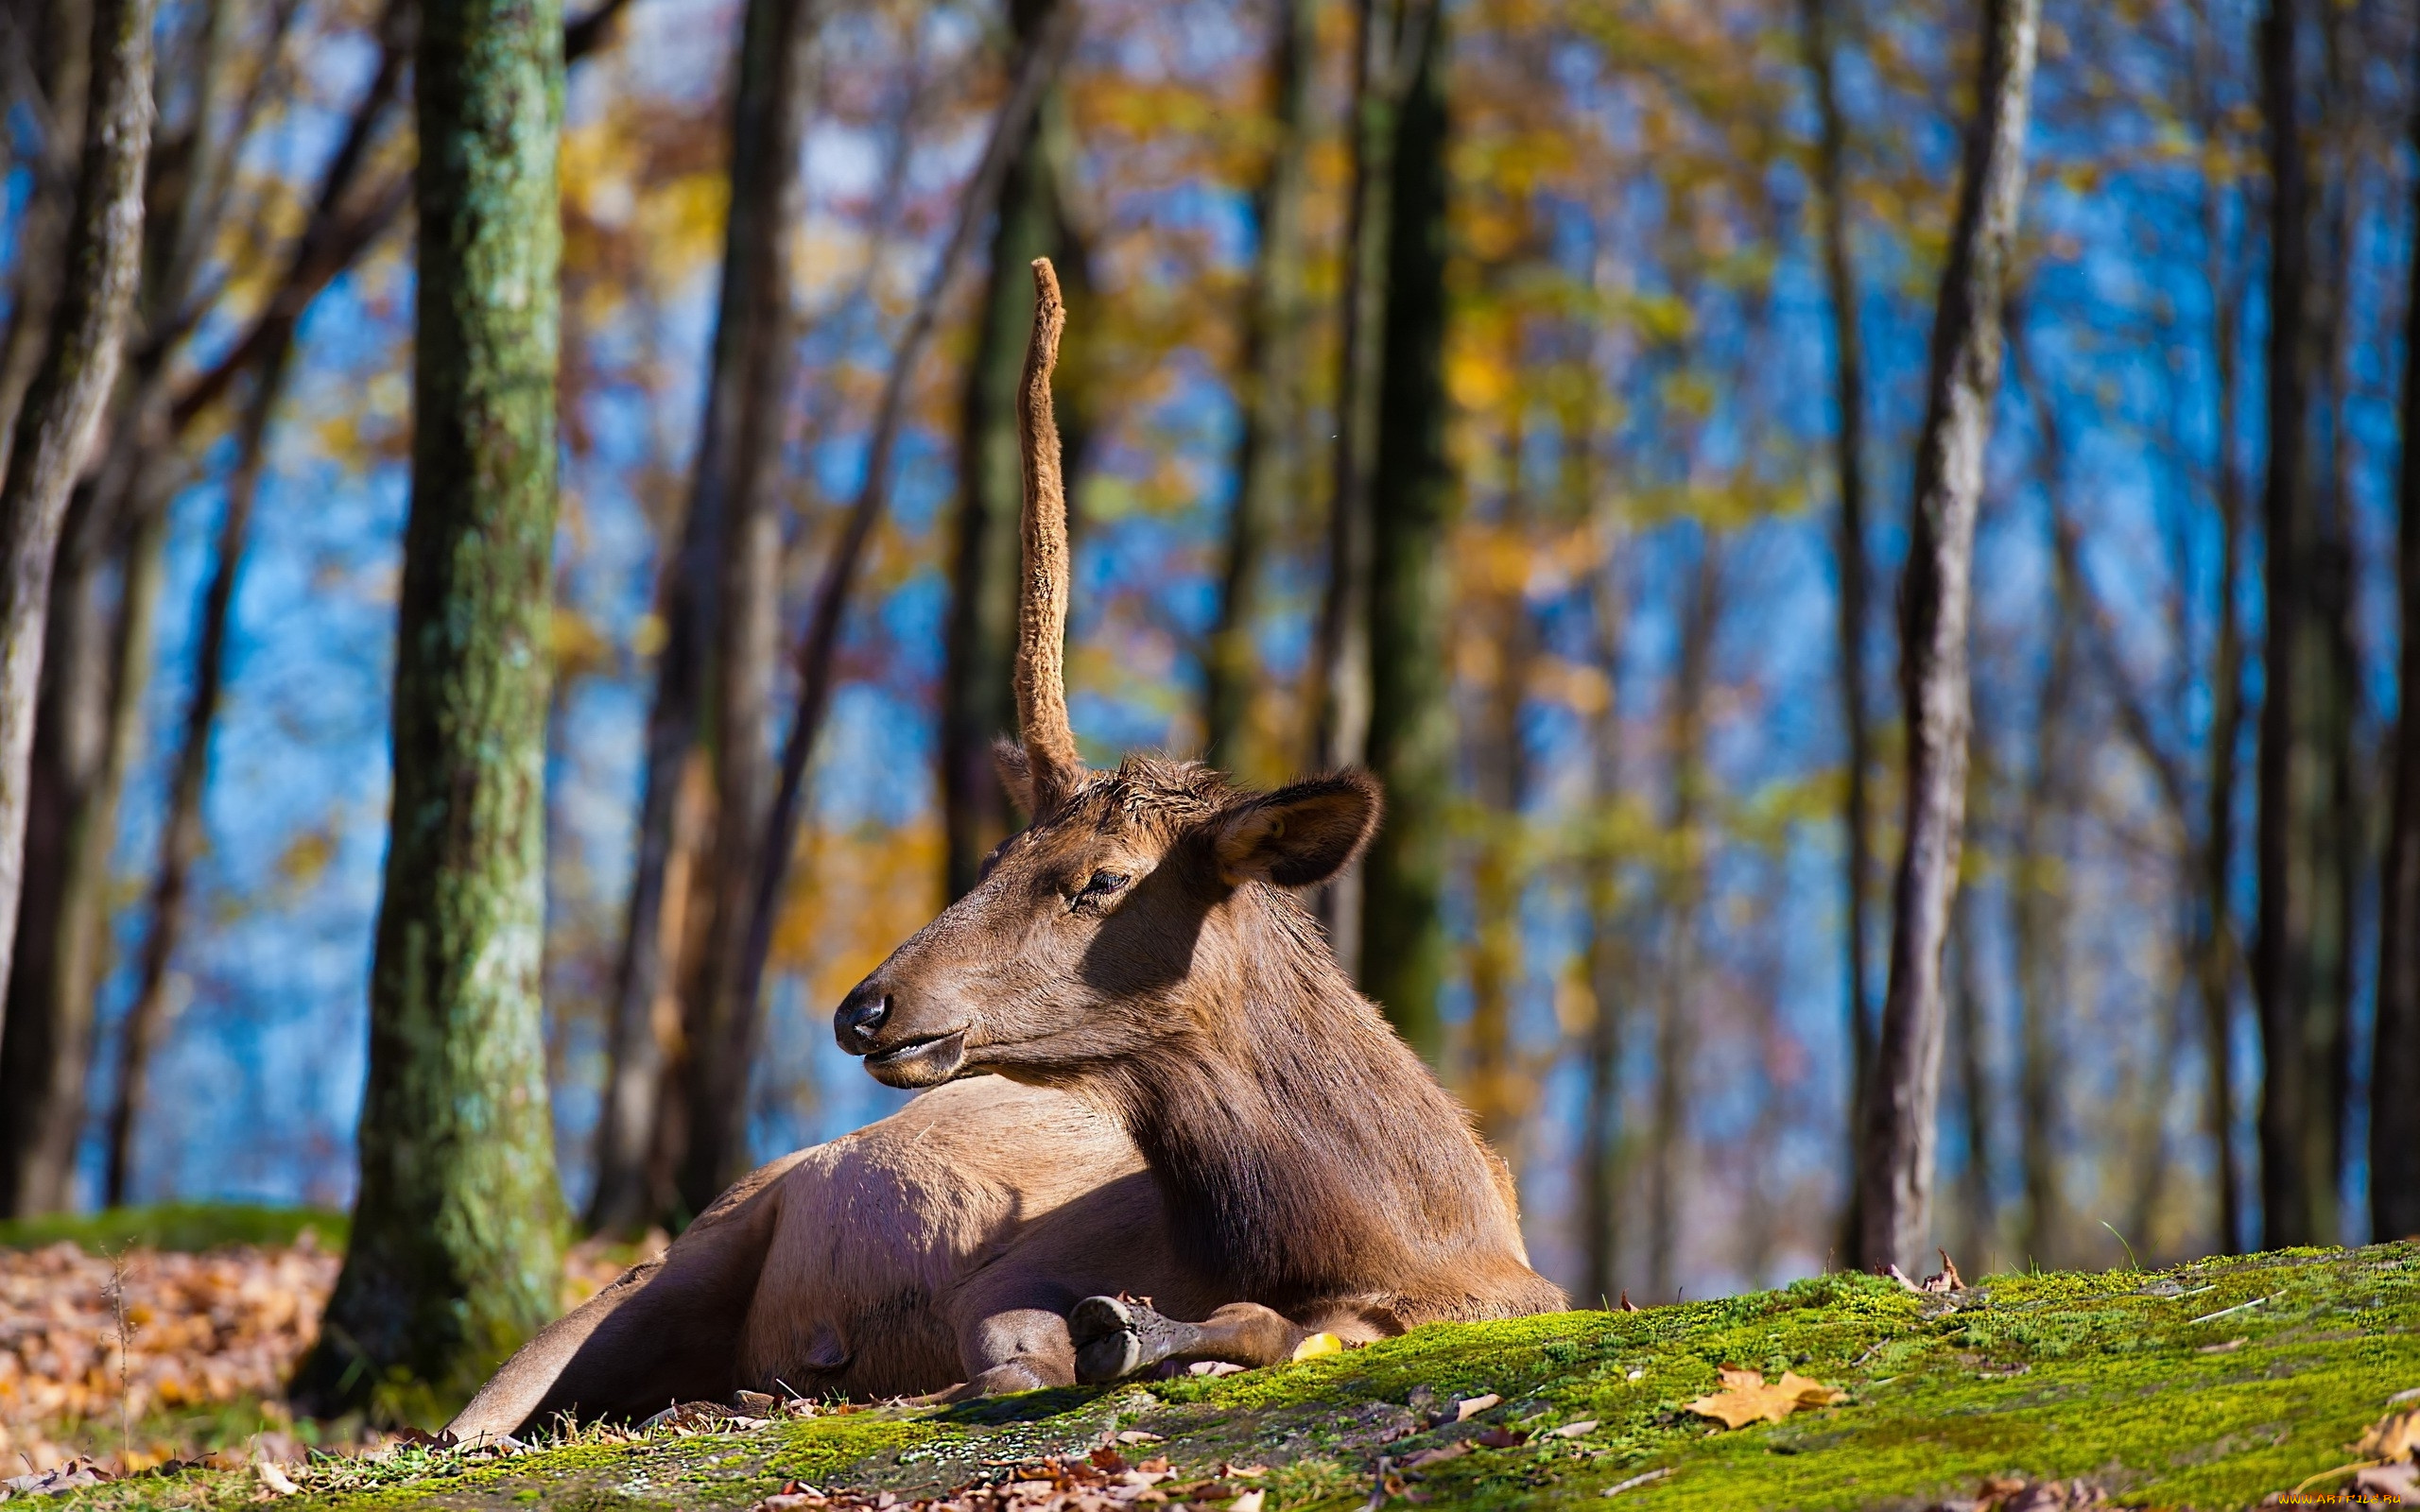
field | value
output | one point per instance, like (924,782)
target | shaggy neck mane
(1307,1148)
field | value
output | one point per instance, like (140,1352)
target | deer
(1156,1123)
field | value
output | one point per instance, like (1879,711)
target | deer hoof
(1114,1338)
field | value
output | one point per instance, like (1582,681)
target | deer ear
(1301,835)
(1016,773)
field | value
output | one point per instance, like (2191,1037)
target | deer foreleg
(1011,1337)
(1114,1338)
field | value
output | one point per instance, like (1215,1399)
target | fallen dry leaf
(1438,1455)
(2395,1437)
(1317,1345)
(1746,1398)
(274,1479)
(1214,1368)
(57,1479)
(1940,1284)
(1501,1437)
(1136,1435)
(1585,1425)
(1468,1406)
(1249,1502)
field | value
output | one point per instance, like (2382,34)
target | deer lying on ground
(1149,1079)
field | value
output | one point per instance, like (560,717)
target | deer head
(1091,930)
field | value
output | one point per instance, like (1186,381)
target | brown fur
(938,1245)
(1309,1160)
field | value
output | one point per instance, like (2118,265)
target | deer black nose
(860,1013)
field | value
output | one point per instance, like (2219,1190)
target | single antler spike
(1042,594)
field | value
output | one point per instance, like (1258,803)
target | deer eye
(1102,884)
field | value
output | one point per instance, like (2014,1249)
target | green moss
(2136,1378)
(187,1227)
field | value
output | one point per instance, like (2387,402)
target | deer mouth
(923,1062)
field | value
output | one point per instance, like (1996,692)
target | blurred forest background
(1621,493)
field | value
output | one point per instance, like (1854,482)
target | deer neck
(1306,1149)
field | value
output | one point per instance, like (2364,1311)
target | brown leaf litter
(1104,1481)
(91,1345)
(87,1339)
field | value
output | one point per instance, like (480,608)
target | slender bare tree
(1848,462)
(1404,944)
(55,42)
(1682,903)
(2395,1076)
(1896,1166)
(2217,952)
(1036,219)
(1390,38)
(738,484)
(2300,913)
(1267,466)
(62,407)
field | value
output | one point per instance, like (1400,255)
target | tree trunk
(714,679)
(1600,1162)
(2215,945)
(1385,50)
(1684,894)
(63,58)
(1033,222)
(45,1048)
(2394,1066)
(633,1183)
(1268,468)
(1770,1041)
(2041,932)
(1848,459)
(2297,1174)
(1404,944)
(1974,1090)
(181,833)
(1608,961)
(740,461)
(1496,1088)
(62,407)
(97,668)
(457,1231)
(1896,1163)
(2336,823)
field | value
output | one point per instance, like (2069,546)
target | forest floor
(2222,1383)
